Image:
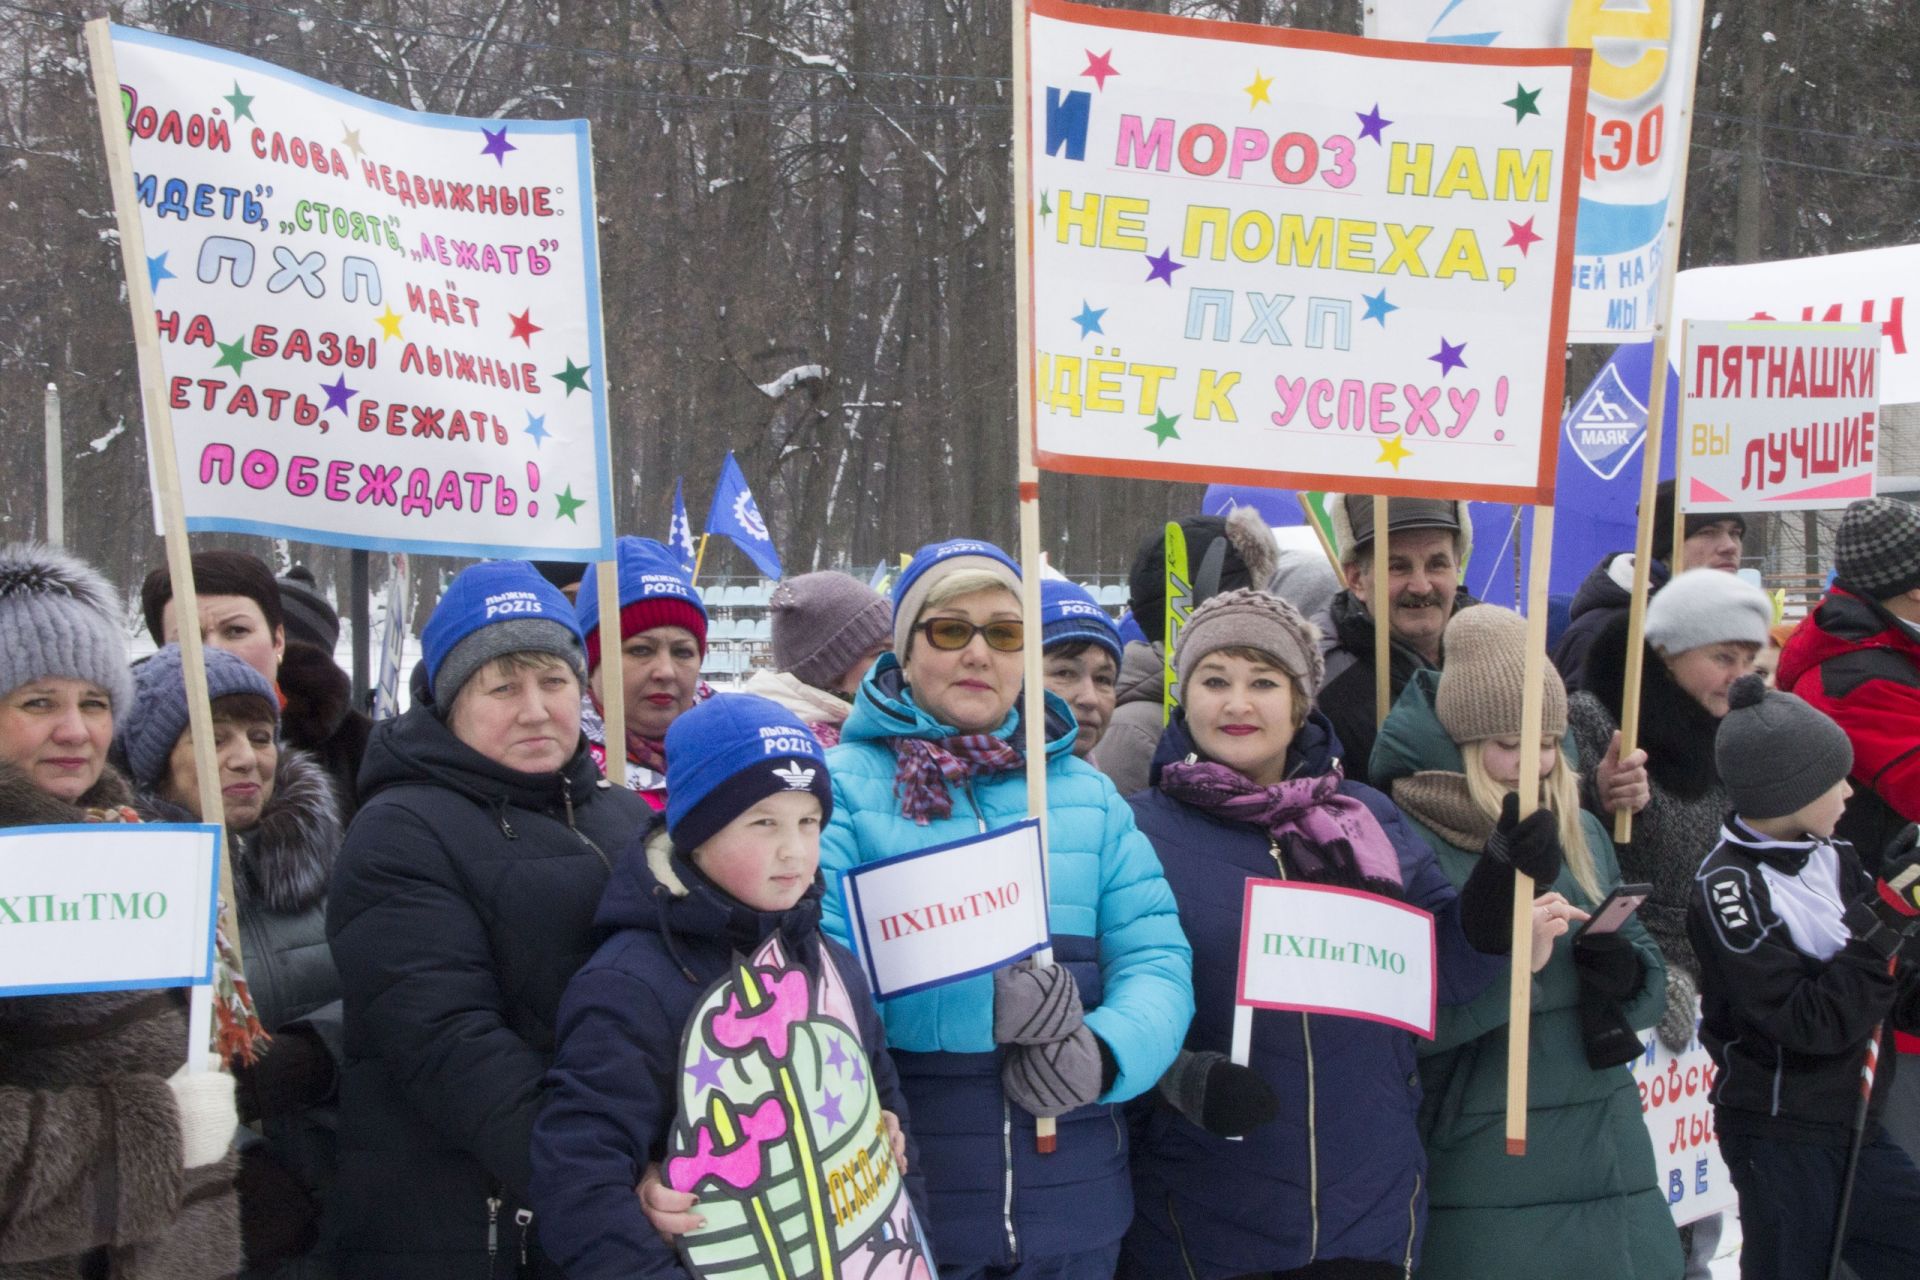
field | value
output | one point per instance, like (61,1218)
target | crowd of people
(474,933)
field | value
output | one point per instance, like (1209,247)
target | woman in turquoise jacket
(931,755)
(1583,1203)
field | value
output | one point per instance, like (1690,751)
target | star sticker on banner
(1524,237)
(157,271)
(233,355)
(497,144)
(573,377)
(836,1056)
(830,1111)
(1393,451)
(1525,102)
(1371,123)
(1163,266)
(1162,426)
(1100,66)
(568,504)
(338,394)
(242,103)
(523,326)
(389,322)
(537,428)
(706,1072)
(1046,207)
(350,139)
(1257,91)
(1377,307)
(1089,319)
(1448,357)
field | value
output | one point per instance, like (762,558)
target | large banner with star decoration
(1298,260)
(380,328)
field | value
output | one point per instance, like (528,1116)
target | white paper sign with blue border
(934,916)
(107,907)
(379,328)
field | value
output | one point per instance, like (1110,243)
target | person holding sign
(663,637)
(732,864)
(932,755)
(1246,785)
(1586,1195)
(113,1158)
(462,902)
(283,832)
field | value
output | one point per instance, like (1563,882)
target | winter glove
(1486,900)
(1891,916)
(1609,970)
(1053,1079)
(1682,1018)
(1216,1093)
(279,1217)
(204,1100)
(295,1072)
(1035,1004)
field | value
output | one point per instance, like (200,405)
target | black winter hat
(1248,559)
(1776,754)
(1663,520)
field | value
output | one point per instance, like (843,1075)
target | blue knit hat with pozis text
(1069,613)
(937,561)
(729,753)
(654,592)
(489,611)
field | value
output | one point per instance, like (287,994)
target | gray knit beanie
(59,617)
(1252,620)
(497,640)
(825,622)
(1775,753)
(1482,681)
(1707,606)
(151,730)
(1878,551)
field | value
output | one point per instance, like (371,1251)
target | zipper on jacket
(1313,1127)
(493,1233)
(1180,1238)
(566,796)
(1413,1223)
(1006,1200)
(979,818)
(523,1218)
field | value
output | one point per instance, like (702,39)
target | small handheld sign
(935,916)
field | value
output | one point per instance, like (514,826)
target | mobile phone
(1611,914)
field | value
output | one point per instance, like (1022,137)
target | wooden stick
(699,558)
(1520,992)
(166,469)
(1382,620)
(613,671)
(1650,450)
(1034,691)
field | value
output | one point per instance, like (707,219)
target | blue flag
(735,514)
(680,531)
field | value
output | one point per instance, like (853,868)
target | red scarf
(926,769)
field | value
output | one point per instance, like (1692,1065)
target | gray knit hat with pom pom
(60,618)
(1776,754)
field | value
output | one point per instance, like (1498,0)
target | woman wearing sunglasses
(931,755)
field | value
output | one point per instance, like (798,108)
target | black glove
(1219,1095)
(279,1217)
(1486,900)
(1531,846)
(1610,970)
(1608,963)
(295,1072)
(1891,916)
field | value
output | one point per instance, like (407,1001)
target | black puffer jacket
(1346,694)
(1599,601)
(462,903)
(320,718)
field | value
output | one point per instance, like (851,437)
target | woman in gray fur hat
(111,1161)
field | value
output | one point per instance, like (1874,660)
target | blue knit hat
(1068,613)
(654,592)
(939,560)
(729,753)
(153,724)
(490,610)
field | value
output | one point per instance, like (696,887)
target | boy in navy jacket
(1806,967)
(728,873)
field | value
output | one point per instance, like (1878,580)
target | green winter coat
(1584,1201)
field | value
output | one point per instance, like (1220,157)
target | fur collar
(23,804)
(1253,541)
(1676,731)
(285,860)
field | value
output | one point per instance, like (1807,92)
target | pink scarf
(1326,837)
(926,770)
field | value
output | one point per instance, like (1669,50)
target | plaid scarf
(1323,836)
(926,770)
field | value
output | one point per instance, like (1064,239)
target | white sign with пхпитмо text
(938,915)
(107,907)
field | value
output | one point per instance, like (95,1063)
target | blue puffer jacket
(1340,1172)
(994,1201)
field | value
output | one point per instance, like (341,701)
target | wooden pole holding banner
(1520,990)
(1033,688)
(699,558)
(1382,621)
(613,672)
(173,517)
(1656,422)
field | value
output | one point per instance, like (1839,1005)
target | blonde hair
(1561,794)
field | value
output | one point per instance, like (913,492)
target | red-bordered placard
(1340,946)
